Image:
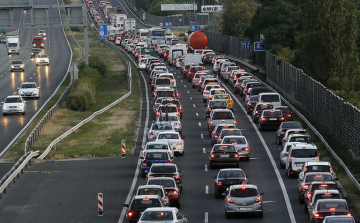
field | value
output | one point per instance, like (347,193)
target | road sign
(245,45)
(168,25)
(194,27)
(161,24)
(103,31)
(258,46)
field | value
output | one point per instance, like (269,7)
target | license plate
(244,209)
(224,156)
(299,164)
(273,119)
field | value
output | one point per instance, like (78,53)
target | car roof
(233,136)
(324,163)
(156,151)
(156,142)
(331,200)
(146,196)
(327,191)
(163,164)
(28,83)
(167,132)
(161,209)
(150,186)
(243,185)
(13,96)
(162,178)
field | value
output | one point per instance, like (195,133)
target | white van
(299,154)
(271,97)
(176,51)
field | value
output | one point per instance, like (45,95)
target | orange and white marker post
(100,204)
(123,148)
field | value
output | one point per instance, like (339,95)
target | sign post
(168,26)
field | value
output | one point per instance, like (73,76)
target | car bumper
(31,95)
(243,154)
(233,208)
(13,110)
(225,161)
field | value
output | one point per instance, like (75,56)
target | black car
(270,119)
(35,51)
(316,185)
(285,126)
(328,207)
(166,170)
(227,177)
(259,107)
(215,104)
(207,59)
(223,154)
(251,104)
(140,203)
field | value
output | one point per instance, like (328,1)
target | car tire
(227,214)
(306,210)
(247,158)
(182,154)
(282,166)
(301,201)
(210,165)
(4,114)
(204,100)
(23,113)
(143,175)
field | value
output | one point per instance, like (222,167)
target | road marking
(30,78)
(204,150)
(2,75)
(194,105)
(199,123)
(181,80)
(190,98)
(278,175)
(206,217)
(188,92)
(202,136)
(197,114)
(178,76)
(207,189)
(184,85)
(254,158)
(264,202)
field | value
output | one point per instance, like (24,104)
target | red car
(171,188)
(193,70)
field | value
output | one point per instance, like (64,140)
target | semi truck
(129,24)
(119,20)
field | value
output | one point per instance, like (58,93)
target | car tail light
(204,68)
(282,133)
(264,119)
(169,153)
(318,158)
(184,70)
(205,91)
(306,186)
(245,149)
(176,177)
(290,161)
(179,143)
(236,156)
(212,155)
(242,86)
(256,111)
(223,120)
(169,161)
(289,115)
(131,214)
(229,200)
(258,199)
(215,135)
(218,183)
(144,163)
(152,134)
(172,192)
(209,109)
(349,214)
(282,119)
(211,122)
(180,108)
(230,101)
(331,171)
(249,104)
(234,121)
(309,195)
(245,91)
(318,215)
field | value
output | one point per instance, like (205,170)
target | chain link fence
(340,117)
(177,20)
(228,45)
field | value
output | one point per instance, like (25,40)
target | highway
(47,77)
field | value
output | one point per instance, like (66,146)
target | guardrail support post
(29,162)
(123,148)
(18,175)
(14,180)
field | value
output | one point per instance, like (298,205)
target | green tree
(327,44)
(237,16)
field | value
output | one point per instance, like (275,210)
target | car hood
(27,89)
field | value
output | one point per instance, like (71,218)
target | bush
(75,29)
(92,75)
(96,63)
(78,100)
(87,86)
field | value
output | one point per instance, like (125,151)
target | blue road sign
(168,25)
(103,31)
(258,46)
(245,45)
(194,27)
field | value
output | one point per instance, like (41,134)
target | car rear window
(270,98)
(163,169)
(156,146)
(164,93)
(292,126)
(156,156)
(165,183)
(150,191)
(221,96)
(175,102)
(264,106)
(164,81)
(243,192)
(272,113)
(304,153)
(219,103)
(229,132)
(161,127)
(317,177)
(145,203)
(332,206)
(157,216)
(223,115)
(318,168)
(225,148)
(229,140)
(305,139)
(168,136)
(231,173)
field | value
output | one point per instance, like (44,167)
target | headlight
(22,65)
(42,44)
(4,107)
(9,51)
(12,66)
(34,45)
(20,106)
(20,92)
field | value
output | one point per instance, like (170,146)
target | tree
(327,44)
(237,15)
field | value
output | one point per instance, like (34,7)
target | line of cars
(159,199)
(16,103)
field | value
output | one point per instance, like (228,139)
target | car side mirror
(262,193)
(214,177)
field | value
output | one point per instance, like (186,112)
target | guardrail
(16,170)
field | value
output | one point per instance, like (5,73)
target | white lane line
(202,136)
(264,202)
(122,216)
(206,217)
(207,189)
(30,78)
(206,168)
(194,105)
(1,75)
(178,76)
(204,150)
(199,123)
(281,182)
(184,85)
(188,92)
(197,114)
(190,98)
(254,158)
(181,80)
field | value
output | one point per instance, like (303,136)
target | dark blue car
(156,156)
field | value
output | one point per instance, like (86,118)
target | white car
(175,122)
(240,143)
(174,139)
(158,146)
(42,33)
(13,104)
(42,59)
(158,127)
(17,65)
(179,62)
(142,64)
(207,89)
(162,215)
(29,89)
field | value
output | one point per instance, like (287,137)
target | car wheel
(143,175)
(4,114)
(23,113)
(306,210)
(204,100)
(282,166)
(227,214)
(210,165)
(278,140)
(247,158)
(181,154)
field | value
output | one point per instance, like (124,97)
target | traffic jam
(173,69)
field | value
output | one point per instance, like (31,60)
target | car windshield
(145,203)
(165,183)
(161,127)
(38,40)
(237,140)
(163,169)
(12,44)
(176,102)
(243,192)
(16,62)
(157,216)
(305,139)
(231,173)
(215,104)
(157,146)
(253,98)
(223,115)
(304,153)
(150,191)
(161,81)
(317,177)
(28,86)
(292,125)
(193,69)
(36,50)
(168,136)
(156,156)
(230,132)
(332,206)
(224,148)
(12,100)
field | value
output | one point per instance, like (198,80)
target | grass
(106,130)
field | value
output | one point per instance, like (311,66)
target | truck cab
(38,42)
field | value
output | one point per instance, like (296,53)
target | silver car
(241,145)
(158,127)
(164,214)
(13,104)
(29,89)
(242,199)
(17,65)
(175,122)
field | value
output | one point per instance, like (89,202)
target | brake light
(318,215)
(212,155)
(230,101)
(229,200)
(246,90)
(245,149)
(349,214)
(223,120)
(309,195)
(236,155)
(256,111)
(331,171)
(289,115)
(169,161)
(318,158)
(282,133)
(258,199)
(282,119)
(131,214)
(177,177)
(219,183)
(264,119)
(205,91)
(290,162)
(211,122)
(144,163)
(172,192)
(179,143)
(152,134)
(306,186)
(215,135)
(169,153)
(234,121)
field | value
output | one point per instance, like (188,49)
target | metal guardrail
(16,170)
(144,23)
